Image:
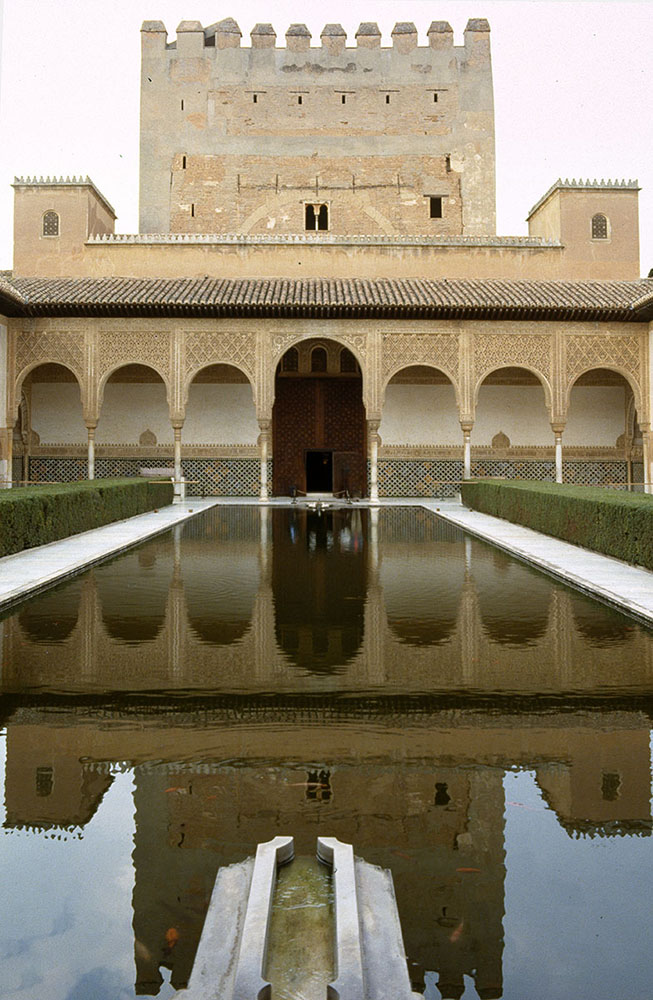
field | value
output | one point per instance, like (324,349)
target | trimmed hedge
(613,522)
(34,515)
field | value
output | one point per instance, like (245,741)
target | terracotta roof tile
(355,297)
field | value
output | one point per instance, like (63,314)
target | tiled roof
(336,297)
(11,299)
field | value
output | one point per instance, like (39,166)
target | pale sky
(572,84)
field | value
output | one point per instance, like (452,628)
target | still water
(480,730)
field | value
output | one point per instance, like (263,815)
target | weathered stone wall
(240,138)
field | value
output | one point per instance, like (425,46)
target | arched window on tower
(290,360)
(316,217)
(318,359)
(50,224)
(347,361)
(599,227)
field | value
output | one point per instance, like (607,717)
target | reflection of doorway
(319,472)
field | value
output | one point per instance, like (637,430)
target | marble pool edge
(628,588)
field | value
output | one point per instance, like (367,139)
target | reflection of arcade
(421,796)
(319,582)
(395,601)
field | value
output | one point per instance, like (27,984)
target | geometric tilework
(428,478)
(419,477)
(213,477)
(397,477)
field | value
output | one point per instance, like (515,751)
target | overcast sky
(573,86)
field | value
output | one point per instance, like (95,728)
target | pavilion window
(50,224)
(316,217)
(290,361)
(599,227)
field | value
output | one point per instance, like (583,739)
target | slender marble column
(646,455)
(91,450)
(264,447)
(467,450)
(557,431)
(373,446)
(177,432)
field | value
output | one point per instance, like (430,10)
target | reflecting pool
(463,720)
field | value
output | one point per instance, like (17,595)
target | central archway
(318,421)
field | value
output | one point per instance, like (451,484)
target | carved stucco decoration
(523,350)
(51,347)
(204,348)
(402,350)
(116,348)
(617,353)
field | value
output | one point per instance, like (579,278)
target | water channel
(461,719)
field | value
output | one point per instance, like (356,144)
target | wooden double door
(319,436)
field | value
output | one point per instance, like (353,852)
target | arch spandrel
(192,374)
(622,353)
(618,370)
(101,386)
(542,379)
(20,381)
(421,364)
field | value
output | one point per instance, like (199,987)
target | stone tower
(364,139)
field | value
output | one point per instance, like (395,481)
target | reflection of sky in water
(66,932)
(578,911)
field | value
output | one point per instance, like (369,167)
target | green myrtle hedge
(613,522)
(34,515)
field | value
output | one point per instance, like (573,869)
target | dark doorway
(319,472)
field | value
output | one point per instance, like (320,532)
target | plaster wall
(56,413)
(597,415)
(220,413)
(420,414)
(167,259)
(130,409)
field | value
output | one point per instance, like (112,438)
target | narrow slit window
(50,224)
(435,207)
(435,98)
(599,227)
(182,104)
(343,98)
(192,210)
(299,99)
(387,98)
(183,163)
(255,98)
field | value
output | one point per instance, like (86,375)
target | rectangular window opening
(192,210)
(387,98)
(183,163)
(182,104)
(299,99)
(255,98)
(435,98)
(435,207)
(343,98)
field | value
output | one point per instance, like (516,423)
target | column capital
(467,426)
(558,426)
(177,422)
(265,425)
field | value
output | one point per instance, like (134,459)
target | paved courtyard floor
(615,582)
